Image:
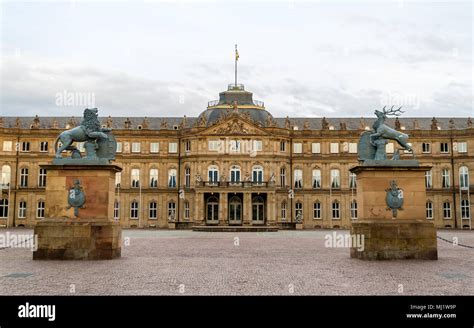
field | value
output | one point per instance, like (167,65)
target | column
(247,217)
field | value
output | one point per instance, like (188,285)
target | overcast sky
(302,59)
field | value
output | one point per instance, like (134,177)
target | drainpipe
(291,179)
(453,181)
(178,210)
(17,160)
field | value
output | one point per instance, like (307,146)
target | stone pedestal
(91,235)
(408,235)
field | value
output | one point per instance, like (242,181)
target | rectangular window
(187,146)
(335,210)
(257,145)
(134,210)
(465,209)
(135,178)
(426,147)
(118,179)
(24,177)
(40,210)
(116,210)
(187,177)
(152,211)
(22,210)
(353,210)
(316,179)
(154,147)
(447,210)
(428,179)
(235,146)
(335,179)
(298,179)
(462,147)
(119,147)
(282,177)
(444,147)
(214,145)
(154,178)
(317,211)
(7,146)
(283,145)
(334,148)
(44,146)
(352,181)
(297,148)
(136,147)
(42,178)
(429,210)
(25,146)
(187,211)
(172,178)
(316,148)
(173,147)
(389,148)
(445,179)
(283,211)
(352,147)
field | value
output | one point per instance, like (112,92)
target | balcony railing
(240,184)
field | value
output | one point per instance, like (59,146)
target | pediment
(234,126)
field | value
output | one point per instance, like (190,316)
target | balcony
(240,184)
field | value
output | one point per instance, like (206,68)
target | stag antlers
(391,111)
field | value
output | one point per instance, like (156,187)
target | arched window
(465,210)
(257,174)
(153,178)
(445,178)
(336,212)
(235,209)
(6,175)
(335,179)
(134,209)
(172,178)
(171,210)
(135,178)
(3,208)
(316,179)
(258,209)
(152,210)
(429,210)
(212,209)
(235,173)
(213,173)
(317,210)
(464,177)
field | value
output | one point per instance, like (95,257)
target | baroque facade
(235,164)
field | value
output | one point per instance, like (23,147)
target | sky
(303,59)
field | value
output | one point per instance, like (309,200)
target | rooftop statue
(372,144)
(99,143)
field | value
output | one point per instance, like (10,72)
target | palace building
(236,164)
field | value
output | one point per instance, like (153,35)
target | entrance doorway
(258,209)
(235,209)
(212,209)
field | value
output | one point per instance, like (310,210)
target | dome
(235,100)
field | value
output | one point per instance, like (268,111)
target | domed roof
(235,100)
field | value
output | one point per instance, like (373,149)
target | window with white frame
(7,146)
(283,211)
(336,212)
(426,147)
(282,145)
(187,177)
(352,180)
(44,146)
(352,147)
(213,173)
(298,211)
(298,179)
(257,145)
(353,209)
(464,177)
(25,146)
(42,178)
(335,179)
(171,211)
(445,178)
(119,147)
(136,147)
(22,209)
(173,147)
(134,209)
(297,148)
(118,179)
(389,148)
(429,210)
(316,179)
(235,146)
(135,178)
(5,176)
(187,146)
(462,147)
(334,148)
(317,210)
(4,208)
(465,209)
(40,209)
(187,210)
(154,178)
(214,145)
(154,147)
(316,148)
(257,174)
(24,177)
(116,210)
(444,147)
(429,179)
(282,177)
(152,211)
(447,210)
(172,178)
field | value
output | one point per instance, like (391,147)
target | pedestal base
(75,240)
(395,240)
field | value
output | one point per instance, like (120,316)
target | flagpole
(236,65)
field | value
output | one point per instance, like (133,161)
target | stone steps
(234,229)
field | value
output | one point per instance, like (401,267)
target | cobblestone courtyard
(284,262)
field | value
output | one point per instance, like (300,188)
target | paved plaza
(158,262)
